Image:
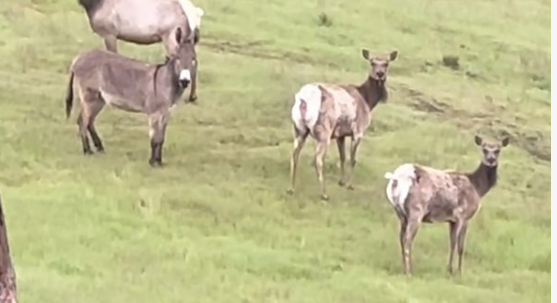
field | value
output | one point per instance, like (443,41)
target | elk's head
(490,150)
(379,65)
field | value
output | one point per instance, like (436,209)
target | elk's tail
(69,96)
(307,105)
(399,185)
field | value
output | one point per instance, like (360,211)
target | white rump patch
(310,95)
(404,176)
(193,13)
(185,75)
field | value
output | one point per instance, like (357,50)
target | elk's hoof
(350,187)
(193,98)
(324,197)
(290,191)
(341,183)
(87,152)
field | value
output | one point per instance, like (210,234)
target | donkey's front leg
(111,44)
(157,123)
(193,88)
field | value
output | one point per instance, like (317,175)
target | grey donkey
(334,112)
(102,77)
(144,22)
(423,194)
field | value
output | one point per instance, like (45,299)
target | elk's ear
(505,141)
(393,55)
(178,35)
(478,140)
(365,54)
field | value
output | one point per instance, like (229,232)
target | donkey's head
(184,59)
(379,65)
(490,150)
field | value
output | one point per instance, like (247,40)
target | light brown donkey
(424,194)
(145,22)
(330,111)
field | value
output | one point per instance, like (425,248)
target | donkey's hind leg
(157,123)
(95,108)
(83,134)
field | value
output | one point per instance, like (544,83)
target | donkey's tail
(69,96)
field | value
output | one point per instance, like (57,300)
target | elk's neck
(483,178)
(373,92)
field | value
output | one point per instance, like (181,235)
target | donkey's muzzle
(184,78)
(184,83)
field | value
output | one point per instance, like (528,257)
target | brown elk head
(490,150)
(379,65)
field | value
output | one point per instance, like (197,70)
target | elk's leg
(403,223)
(320,153)
(452,245)
(353,150)
(411,228)
(95,110)
(111,44)
(157,123)
(461,240)
(342,154)
(454,231)
(299,140)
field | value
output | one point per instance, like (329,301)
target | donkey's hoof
(341,183)
(324,197)
(350,187)
(87,152)
(192,99)
(155,163)
(290,191)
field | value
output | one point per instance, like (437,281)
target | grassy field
(215,225)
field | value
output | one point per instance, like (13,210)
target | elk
(331,111)
(144,22)
(423,194)
(104,77)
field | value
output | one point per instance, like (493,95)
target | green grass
(215,225)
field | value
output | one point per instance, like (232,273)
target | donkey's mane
(90,5)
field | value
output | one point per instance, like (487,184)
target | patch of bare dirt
(536,143)
(252,49)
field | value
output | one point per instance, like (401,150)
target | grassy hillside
(215,225)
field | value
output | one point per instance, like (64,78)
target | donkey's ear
(478,140)
(393,55)
(178,35)
(505,141)
(365,54)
